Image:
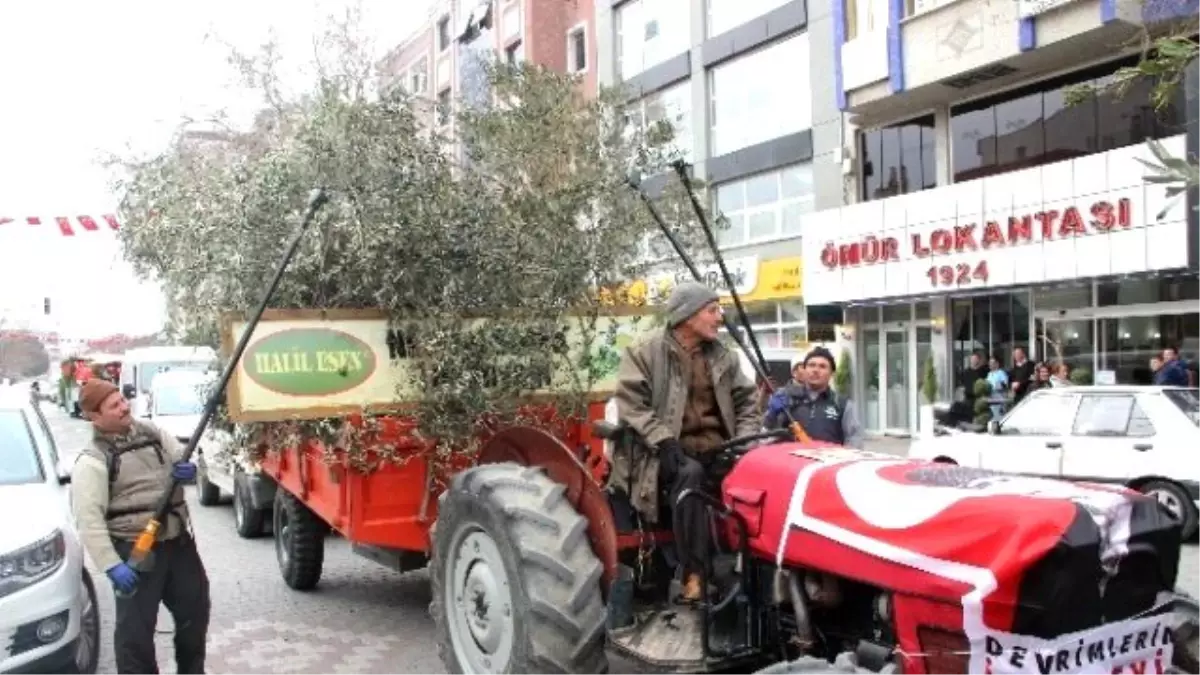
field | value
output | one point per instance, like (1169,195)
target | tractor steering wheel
(734,448)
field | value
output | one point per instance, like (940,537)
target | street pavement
(362,618)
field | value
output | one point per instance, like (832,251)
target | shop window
(992,324)
(1034,125)
(898,159)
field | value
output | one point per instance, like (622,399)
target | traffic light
(46,306)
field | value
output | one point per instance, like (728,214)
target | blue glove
(184,472)
(778,403)
(123,577)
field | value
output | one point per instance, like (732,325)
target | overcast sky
(81,79)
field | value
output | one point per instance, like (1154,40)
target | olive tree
(520,216)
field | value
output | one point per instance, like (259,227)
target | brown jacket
(651,395)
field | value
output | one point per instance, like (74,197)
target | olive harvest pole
(759,364)
(681,170)
(145,540)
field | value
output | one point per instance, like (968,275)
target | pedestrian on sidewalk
(116,485)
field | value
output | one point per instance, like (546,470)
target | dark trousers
(178,580)
(690,519)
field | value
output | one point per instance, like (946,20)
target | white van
(139,366)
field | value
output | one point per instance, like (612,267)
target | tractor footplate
(666,640)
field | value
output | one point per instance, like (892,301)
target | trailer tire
(507,536)
(248,521)
(299,542)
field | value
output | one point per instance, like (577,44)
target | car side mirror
(64,473)
(993,427)
(129,391)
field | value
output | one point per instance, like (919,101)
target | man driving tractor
(684,394)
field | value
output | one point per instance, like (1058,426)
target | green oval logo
(309,362)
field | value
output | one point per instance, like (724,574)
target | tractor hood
(967,536)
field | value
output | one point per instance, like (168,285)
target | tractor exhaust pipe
(804,630)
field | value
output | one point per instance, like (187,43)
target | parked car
(1142,437)
(49,617)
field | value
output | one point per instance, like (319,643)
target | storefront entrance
(895,342)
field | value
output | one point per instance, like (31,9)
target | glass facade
(766,206)
(749,105)
(992,324)
(724,15)
(1035,125)
(898,159)
(649,32)
(777,325)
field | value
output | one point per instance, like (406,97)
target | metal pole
(681,170)
(145,540)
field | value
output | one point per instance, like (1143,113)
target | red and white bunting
(68,225)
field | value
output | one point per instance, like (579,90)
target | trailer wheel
(299,542)
(516,586)
(248,521)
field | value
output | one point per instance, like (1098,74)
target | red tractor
(819,554)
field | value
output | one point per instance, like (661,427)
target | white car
(49,618)
(1141,437)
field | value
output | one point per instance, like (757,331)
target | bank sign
(1078,219)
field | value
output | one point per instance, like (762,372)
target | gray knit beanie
(687,299)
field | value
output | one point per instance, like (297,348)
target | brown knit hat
(94,392)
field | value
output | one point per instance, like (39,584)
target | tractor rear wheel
(516,586)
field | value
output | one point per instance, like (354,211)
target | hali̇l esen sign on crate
(311,363)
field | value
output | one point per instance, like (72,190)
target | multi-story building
(988,210)
(756,116)
(441,60)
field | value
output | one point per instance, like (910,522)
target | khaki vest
(140,471)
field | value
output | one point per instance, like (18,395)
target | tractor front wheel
(516,586)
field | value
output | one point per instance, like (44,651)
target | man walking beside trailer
(116,484)
(685,394)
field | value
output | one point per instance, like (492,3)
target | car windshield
(147,371)
(1187,400)
(180,399)
(19,460)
